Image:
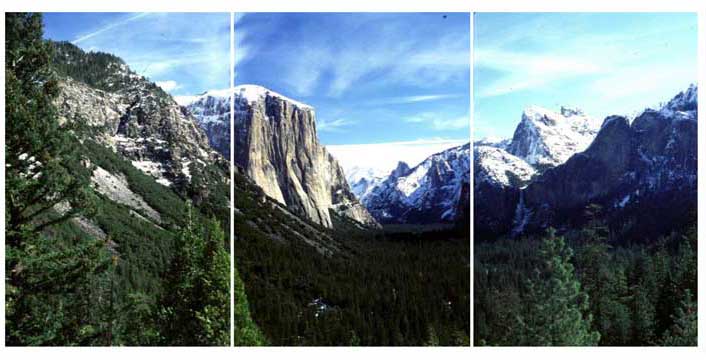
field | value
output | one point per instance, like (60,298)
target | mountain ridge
(627,162)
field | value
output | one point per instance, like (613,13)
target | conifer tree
(246,331)
(195,305)
(684,330)
(45,181)
(50,280)
(556,313)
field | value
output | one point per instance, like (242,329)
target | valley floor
(379,288)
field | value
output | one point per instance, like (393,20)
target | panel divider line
(232,185)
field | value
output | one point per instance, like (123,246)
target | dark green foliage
(556,309)
(637,295)
(197,289)
(684,330)
(49,297)
(38,154)
(246,331)
(48,282)
(99,70)
(393,288)
(81,268)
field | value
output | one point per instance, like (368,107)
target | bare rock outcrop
(277,146)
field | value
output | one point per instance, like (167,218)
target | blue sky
(602,63)
(373,78)
(186,53)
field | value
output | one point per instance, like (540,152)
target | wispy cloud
(241,34)
(168,85)
(189,49)
(521,71)
(440,121)
(555,50)
(343,52)
(415,99)
(333,126)
(604,63)
(109,26)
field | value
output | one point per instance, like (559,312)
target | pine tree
(195,305)
(50,278)
(246,331)
(556,313)
(603,282)
(45,181)
(684,330)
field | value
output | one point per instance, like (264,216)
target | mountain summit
(431,192)
(545,138)
(626,166)
(277,146)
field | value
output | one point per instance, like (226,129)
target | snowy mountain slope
(212,111)
(497,166)
(545,138)
(427,193)
(363,180)
(138,120)
(648,163)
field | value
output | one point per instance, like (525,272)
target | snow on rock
(497,166)
(428,192)
(545,138)
(253,93)
(154,169)
(683,106)
(363,180)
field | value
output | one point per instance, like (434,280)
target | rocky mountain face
(546,139)
(277,146)
(542,140)
(212,111)
(135,118)
(427,193)
(650,163)
(498,177)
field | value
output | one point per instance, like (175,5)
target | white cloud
(108,27)
(168,85)
(440,122)
(191,49)
(548,52)
(332,126)
(332,62)
(521,70)
(415,99)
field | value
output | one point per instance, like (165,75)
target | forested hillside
(309,285)
(97,251)
(586,287)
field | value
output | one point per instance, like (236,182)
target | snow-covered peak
(252,93)
(497,166)
(401,170)
(546,138)
(218,94)
(356,173)
(493,141)
(362,180)
(428,192)
(249,92)
(571,117)
(682,106)
(567,112)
